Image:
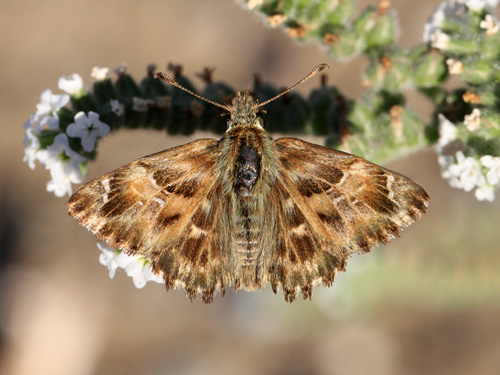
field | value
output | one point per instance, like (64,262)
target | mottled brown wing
(330,204)
(162,207)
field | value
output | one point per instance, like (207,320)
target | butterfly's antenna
(170,80)
(315,71)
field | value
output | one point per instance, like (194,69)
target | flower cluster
(448,15)
(475,171)
(64,139)
(135,266)
(51,141)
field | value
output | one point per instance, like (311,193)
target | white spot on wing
(301,229)
(338,199)
(105,183)
(107,189)
(344,177)
(390,180)
(196,232)
(152,180)
(161,202)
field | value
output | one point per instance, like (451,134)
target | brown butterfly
(246,210)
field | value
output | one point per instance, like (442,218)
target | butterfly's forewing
(162,207)
(328,205)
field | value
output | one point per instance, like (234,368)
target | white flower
(490,24)
(473,120)
(117,108)
(493,163)
(447,131)
(88,129)
(72,84)
(46,110)
(467,171)
(478,5)
(60,150)
(63,175)
(141,105)
(108,258)
(485,193)
(141,273)
(135,266)
(99,74)
(64,166)
(31,142)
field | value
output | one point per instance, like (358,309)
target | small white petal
(493,176)
(108,258)
(485,193)
(72,84)
(493,163)
(136,271)
(46,110)
(447,131)
(31,142)
(117,108)
(135,266)
(49,122)
(99,74)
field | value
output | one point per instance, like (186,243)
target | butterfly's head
(243,111)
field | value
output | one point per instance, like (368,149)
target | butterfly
(248,210)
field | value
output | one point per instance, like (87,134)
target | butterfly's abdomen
(247,223)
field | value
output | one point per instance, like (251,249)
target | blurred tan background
(429,303)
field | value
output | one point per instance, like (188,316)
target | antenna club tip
(321,67)
(164,77)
